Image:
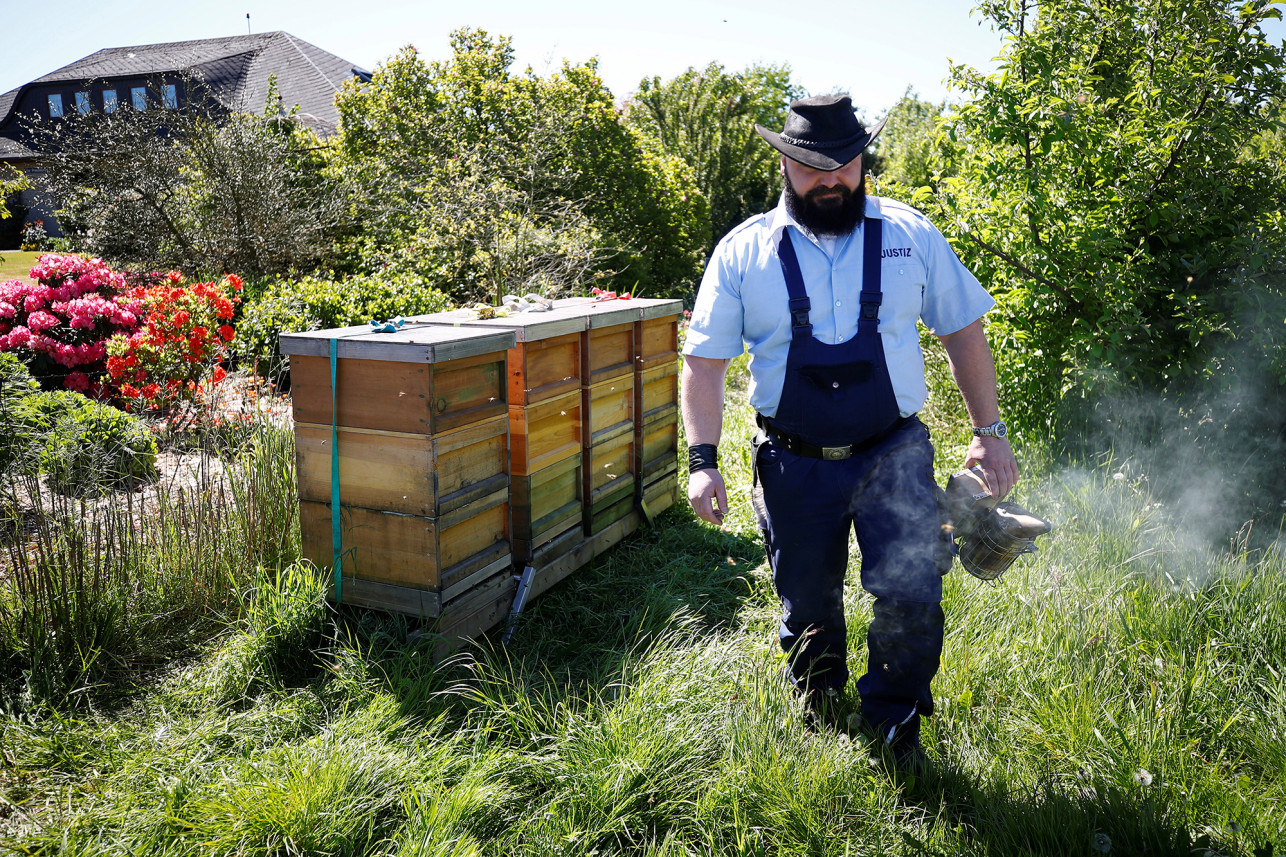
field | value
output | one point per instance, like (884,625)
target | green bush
(88,446)
(316,303)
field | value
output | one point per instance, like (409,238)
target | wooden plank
(421,603)
(408,550)
(661,493)
(608,407)
(400,397)
(658,389)
(650,308)
(466,391)
(524,326)
(544,368)
(470,617)
(658,341)
(609,465)
(547,502)
(545,433)
(415,343)
(457,585)
(414,474)
(611,508)
(658,446)
(609,351)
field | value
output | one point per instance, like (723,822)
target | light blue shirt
(742,302)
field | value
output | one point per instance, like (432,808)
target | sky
(875,49)
(885,47)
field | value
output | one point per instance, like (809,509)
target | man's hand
(998,465)
(708,496)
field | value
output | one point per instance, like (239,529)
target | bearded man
(825,291)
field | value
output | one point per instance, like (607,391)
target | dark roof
(236,69)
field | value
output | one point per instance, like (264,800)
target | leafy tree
(1107,188)
(484,182)
(11,181)
(906,149)
(707,118)
(192,188)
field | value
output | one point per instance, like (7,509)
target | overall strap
(800,326)
(871,297)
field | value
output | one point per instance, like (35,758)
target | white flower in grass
(1143,777)
(1102,843)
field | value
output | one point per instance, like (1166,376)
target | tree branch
(1009,260)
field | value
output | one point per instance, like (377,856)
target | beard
(828,211)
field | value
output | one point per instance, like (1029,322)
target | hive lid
(526,326)
(601,313)
(658,307)
(414,343)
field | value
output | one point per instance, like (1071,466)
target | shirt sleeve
(953,297)
(715,329)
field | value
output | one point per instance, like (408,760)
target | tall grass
(93,591)
(1121,692)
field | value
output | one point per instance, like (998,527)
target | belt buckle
(837,453)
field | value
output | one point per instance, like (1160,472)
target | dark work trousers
(806,508)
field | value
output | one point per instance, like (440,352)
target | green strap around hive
(334,479)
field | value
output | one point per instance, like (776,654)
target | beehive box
(422,379)
(547,504)
(546,370)
(657,397)
(545,359)
(419,428)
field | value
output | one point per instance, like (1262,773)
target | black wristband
(703,456)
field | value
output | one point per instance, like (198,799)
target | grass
(16,264)
(1121,692)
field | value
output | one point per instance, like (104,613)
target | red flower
(226,331)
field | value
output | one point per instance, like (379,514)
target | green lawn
(15,264)
(1120,693)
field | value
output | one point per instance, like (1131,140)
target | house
(234,71)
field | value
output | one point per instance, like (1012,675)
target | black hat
(822,132)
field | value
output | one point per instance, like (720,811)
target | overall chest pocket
(839,376)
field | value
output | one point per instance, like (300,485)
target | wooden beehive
(419,427)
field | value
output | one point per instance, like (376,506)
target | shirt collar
(781,218)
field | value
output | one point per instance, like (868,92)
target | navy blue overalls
(837,456)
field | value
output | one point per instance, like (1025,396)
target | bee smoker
(988,534)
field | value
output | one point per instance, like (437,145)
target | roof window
(138,96)
(109,101)
(170,96)
(82,102)
(55,105)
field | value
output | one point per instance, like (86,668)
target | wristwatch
(996,429)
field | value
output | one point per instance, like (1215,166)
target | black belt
(798,446)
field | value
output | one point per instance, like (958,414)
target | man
(824,292)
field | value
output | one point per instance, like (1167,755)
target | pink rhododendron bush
(152,345)
(60,325)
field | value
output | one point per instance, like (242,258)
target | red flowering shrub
(173,358)
(60,325)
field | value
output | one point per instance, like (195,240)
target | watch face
(1001,431)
